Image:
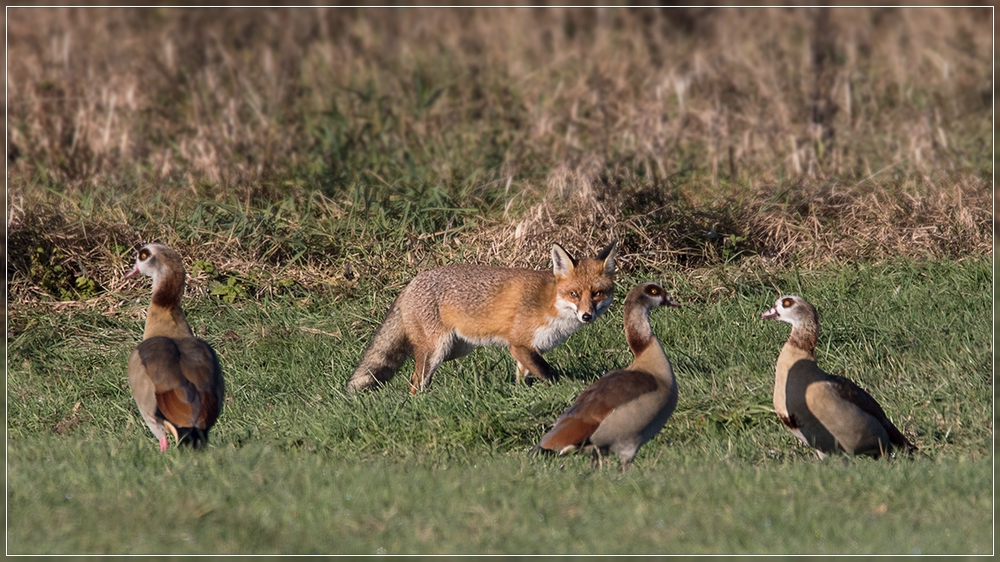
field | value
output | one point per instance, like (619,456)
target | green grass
(297,466)
(115,496)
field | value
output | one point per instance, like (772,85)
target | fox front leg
(530,361)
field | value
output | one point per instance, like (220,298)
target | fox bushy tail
(389,348)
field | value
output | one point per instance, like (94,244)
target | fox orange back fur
(446,312)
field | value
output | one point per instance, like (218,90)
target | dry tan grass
(696,135)
(214,95)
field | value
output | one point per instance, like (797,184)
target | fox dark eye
(574,294)
(787,303)
(598,294)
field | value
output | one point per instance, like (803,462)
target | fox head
(586,287)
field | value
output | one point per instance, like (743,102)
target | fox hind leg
(419,366)
(426,362)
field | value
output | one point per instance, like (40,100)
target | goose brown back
(175,377)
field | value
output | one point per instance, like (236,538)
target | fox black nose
(586,317)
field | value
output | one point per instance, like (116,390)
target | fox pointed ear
(608,255)
(562,262)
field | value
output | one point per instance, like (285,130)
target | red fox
(445,313)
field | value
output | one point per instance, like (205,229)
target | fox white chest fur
(560,326)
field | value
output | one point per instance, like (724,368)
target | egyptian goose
(826,412)
(175,377)
(623,409)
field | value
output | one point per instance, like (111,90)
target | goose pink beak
(773,313)
(134,271)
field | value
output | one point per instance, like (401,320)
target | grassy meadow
(308,162)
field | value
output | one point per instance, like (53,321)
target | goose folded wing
(594,404)
(853,393)
(177,399)
(201,368)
